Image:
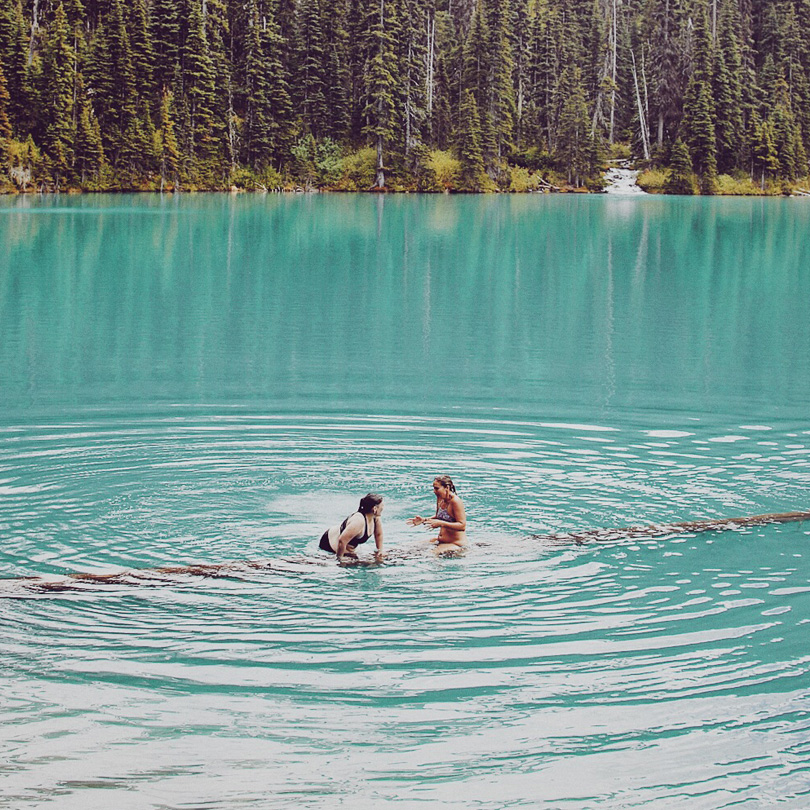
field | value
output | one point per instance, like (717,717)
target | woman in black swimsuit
(356,529)
(450,518)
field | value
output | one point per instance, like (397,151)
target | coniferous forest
(709,96)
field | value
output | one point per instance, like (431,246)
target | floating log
(664,529)
(163,575)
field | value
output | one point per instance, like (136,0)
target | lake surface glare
(212,378)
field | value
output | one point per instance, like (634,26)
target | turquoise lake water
(212,378)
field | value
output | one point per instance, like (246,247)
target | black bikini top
(356,541)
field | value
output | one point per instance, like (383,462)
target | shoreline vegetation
(702,96)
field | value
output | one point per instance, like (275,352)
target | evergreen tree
(553,59)
(143,54)
(679,180)
(790,155)
(441,121)
(668,69)
(729,129)
(412,96)
(765,162)
(380,84)
(699,109)
(56,97)
(337,79)
(256,137)
(574,133)
(223,129)
(165,27)
(75,13)
(477,77)
(199,83)
(167,144)
(310,80)
(283,12)
(359,53)
(268,117)
(701,136)
(88,148)
(278,94)
(803,25)
(519,32)
(727,81)
(473,175)
(111,87)
(14,63)
(801,107)
(531,120)
(501,91)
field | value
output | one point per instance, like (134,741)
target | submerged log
(664,529)
(163,575)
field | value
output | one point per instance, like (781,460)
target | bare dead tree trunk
(614,36)
(429,59)
(646,95)
(34,29)
(666,46)
(642,119)
(380,173)
(231,129)
(408,101)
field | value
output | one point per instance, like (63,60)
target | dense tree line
(210,93)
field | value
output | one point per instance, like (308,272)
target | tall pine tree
(56,98)
(380,83)
(699,108)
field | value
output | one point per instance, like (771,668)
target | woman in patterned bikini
(450,518)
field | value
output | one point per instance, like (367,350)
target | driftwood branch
(546,184)
(665,529)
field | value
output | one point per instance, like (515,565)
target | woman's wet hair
(368,502)
(446,481)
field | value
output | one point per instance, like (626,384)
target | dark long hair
(368,502)
(446,481)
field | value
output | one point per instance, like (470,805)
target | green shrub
(597,183)
(357,170)
(268,179)
(524,180)
(520,179)
(742,186)
(317,162)
(652,180)
(620,151)
(328,161)
(446,168)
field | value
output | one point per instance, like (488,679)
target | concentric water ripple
(671,670)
